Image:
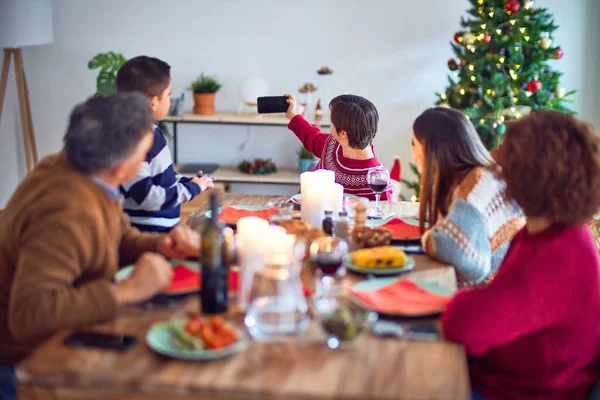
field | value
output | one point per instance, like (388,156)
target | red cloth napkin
(186,279)
(402,230)
(404,297)
(230,215)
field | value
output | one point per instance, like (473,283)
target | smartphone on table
(405,330)
(100,340)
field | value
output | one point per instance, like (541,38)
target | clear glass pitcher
(278,308)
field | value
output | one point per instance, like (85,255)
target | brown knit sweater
(62,239)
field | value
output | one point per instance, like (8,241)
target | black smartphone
(272,104)
(100,340)
(408,331)
(417,331)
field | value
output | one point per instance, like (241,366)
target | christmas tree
(502,70)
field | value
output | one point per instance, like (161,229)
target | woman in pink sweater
(533,332)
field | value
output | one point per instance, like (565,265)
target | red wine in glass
(378,186)
(329,263)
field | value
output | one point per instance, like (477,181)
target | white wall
(392,52)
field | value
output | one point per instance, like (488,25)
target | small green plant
(205,84)
(109,63)
(305,154)
(414,187)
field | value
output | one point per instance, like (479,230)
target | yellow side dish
(379,257)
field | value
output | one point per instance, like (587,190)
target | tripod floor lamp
(23,23)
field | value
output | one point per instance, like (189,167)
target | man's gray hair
(104,131)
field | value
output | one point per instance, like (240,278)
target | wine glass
(328,254)
(379,179)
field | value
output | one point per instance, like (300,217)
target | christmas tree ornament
(513,6)
(463,63)
(458,37)
(558,54)
(452,64)
(487,38)
(468,39)
(534,85)
(560,92)
(501,128)
(545,43)
(506,38)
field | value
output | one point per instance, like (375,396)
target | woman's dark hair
(452,149)
(551,164)
(104,131)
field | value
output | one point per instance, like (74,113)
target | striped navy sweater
(152,200)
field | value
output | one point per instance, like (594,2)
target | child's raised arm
(311,137)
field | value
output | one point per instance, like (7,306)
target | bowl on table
(344,322)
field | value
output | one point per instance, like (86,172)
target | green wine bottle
(214,288)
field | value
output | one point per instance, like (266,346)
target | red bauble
(558,54)
(487,38)
(534,85)
(513,6)
(463,63)
(458,37)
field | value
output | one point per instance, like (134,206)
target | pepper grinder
(360,215)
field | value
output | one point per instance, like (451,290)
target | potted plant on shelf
(205,89)
(306,159)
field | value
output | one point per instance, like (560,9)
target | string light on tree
(528,4)
(561,92)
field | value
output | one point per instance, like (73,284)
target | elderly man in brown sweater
(63,234)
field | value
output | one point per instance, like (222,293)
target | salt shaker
(342,227)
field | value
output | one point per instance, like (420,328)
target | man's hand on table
(182,242)
(152,273)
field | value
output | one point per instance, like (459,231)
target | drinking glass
(278,308)
(379,179)
(328,254)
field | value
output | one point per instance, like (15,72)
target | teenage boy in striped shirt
(152,200)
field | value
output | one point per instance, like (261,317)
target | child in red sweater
(348,149)
(533,332)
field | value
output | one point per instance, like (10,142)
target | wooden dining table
(301,368)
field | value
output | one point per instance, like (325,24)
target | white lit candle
(251,243)
(335,197)
(313,186)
